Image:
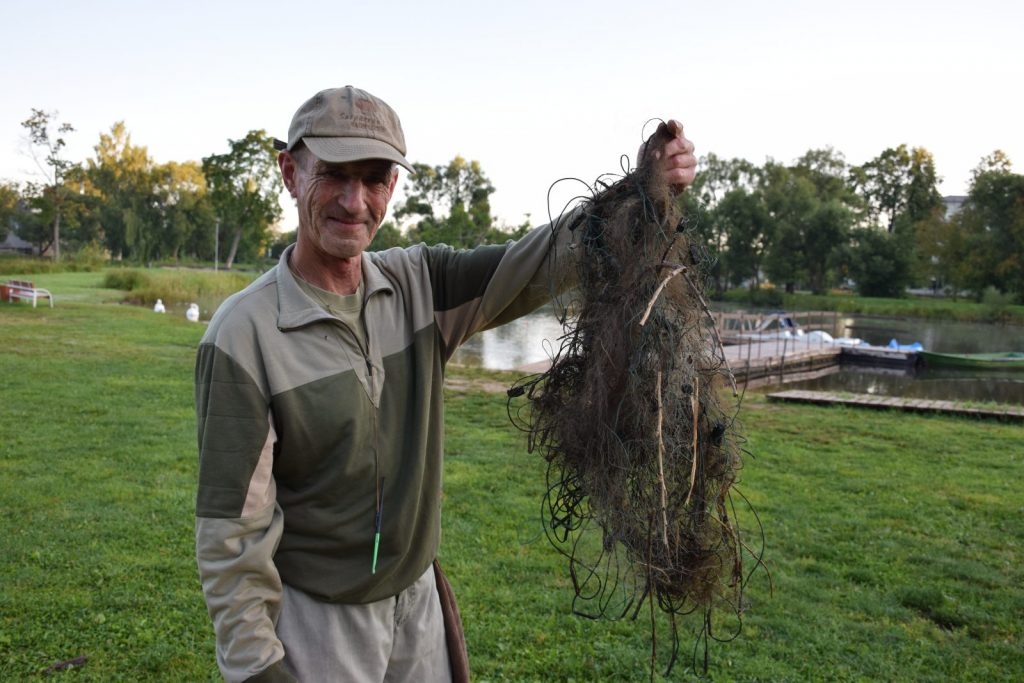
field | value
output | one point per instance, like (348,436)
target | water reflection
(945,385)
(534,338)
(938,336)
(528,340)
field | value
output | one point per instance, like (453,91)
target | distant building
(953,205)
(13,243)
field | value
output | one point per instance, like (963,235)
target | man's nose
(351,194)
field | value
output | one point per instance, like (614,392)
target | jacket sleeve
(242,590)
(478,289)
(238,521)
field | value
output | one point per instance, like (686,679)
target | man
(319,404)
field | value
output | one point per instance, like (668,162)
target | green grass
(894,541)
(961,310)
(994,307)
(178,286)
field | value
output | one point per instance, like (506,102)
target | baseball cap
(347,124)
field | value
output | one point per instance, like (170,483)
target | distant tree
(46,146)
(899,188)
(881,262)
(183,209)
(120,177)
(515,232)
(811,209)
(923,198)
(244,186)
(717,178)
(992,223)
(833,215)
(449,204)
(280,241)
(10,199)
(936,251)
(388,236)
(996,162)
(745,221)
(24,211)
(789,199)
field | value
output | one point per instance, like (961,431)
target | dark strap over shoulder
(454,635)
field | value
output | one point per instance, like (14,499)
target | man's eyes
(368,179)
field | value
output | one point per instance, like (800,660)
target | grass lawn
(894,543)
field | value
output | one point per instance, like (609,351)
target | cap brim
(343,150)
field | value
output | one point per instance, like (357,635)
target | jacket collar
(295,309)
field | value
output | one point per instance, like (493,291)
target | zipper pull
(376,525)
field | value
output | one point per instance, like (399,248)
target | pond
(534,338)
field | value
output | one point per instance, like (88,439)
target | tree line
(817,223)
(225,208)
(121,202)
(881,227)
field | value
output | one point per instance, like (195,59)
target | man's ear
(393,183)
(286,162)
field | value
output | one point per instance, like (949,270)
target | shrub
(758,298)
(997,304)
(128,279)
(26,265)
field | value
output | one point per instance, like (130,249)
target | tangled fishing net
(641,447)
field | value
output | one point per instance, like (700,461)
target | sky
(534,91)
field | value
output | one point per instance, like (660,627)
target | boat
(779,325)
(1004,360)
(916,346)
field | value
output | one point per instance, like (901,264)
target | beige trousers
(393,640)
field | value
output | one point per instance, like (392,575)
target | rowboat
(1005,360)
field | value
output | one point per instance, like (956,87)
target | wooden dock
(759,363)
(998,411)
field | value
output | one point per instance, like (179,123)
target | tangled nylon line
(642,452)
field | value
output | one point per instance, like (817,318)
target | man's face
(340,205)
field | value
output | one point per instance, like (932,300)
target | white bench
(24,290)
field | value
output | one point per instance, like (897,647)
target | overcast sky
(535,91)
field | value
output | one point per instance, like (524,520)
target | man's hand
(678,162)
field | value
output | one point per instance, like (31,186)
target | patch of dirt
(487,384)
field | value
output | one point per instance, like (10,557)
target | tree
(244,186)
(452,204)
(701,202)
(899,187)
(184,210)
(923,198)
(53,166)
(996,162)
(789,199)
(121,178)
(811,209)
(746,224)
(10,200)
(832,214)
(881,262)
(936,251)
(992,222)
(388,236)
(899,190)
